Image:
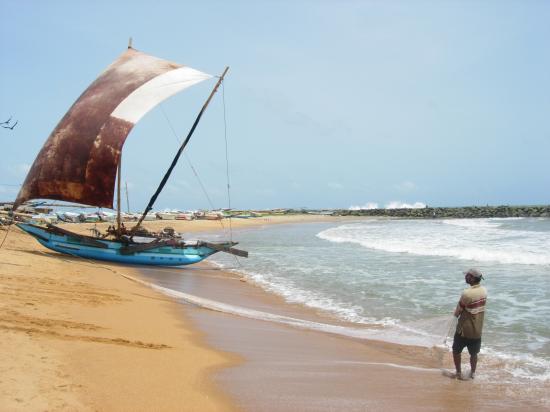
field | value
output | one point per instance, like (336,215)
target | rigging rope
(7,232)
(228,179)
(237,261)
(191,165)
(227,163)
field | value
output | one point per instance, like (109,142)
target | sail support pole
(118,198)
(127,199)
(180,151)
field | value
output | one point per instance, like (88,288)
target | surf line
(395,365)
(249,313)
(364,334)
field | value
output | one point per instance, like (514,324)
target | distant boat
(209,215)
(71,217)
(89,218)
(45,218)
(80,162)
(150,216)
(107,216)
(242,216)
(167,215)
(185,216)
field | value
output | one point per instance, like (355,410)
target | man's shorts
(473,345)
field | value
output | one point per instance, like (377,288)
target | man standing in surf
(470,312)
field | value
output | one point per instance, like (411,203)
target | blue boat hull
(111,250)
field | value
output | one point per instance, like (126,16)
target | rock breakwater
(452,212)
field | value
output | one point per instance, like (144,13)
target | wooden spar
(127,199)
(12,213)
(178,154)
(87,240)
(226,249)
(118,197)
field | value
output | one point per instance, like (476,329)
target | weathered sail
(79,160)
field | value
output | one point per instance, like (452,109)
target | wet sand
(286,368)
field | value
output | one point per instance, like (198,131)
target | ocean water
(406,277)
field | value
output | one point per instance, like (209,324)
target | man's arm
(459,307)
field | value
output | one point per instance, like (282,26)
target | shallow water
(407,276)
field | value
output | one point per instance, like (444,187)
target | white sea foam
(472,223)
(367,271)
(366,206)
(395,204)
(392,334)
(472,239)
(401,205)
(425,333)
(316,300)
(523,367)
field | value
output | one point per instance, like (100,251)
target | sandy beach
(78,336)
(84,335)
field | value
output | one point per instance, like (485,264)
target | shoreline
(397,363)
(329,370)
(264,363)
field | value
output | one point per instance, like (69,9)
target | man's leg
(458,363)
(473,365)
(458,346)
(473,348)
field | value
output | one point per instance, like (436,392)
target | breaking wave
(481,240)
(391,205)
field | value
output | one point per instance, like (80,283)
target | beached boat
(107,216)
(80,162)
(70,217)
(185,216)
(89,218)
(44,218)
(167,215)
(202,215)
(150,216)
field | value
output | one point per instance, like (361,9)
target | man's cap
(476,273)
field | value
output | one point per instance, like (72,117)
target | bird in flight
(7,124)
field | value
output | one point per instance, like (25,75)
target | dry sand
(78,335)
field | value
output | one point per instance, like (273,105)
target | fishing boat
(167,215)
(185,216)
(80,162)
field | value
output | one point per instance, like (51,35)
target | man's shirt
(472,302)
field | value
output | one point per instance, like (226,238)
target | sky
(328,104)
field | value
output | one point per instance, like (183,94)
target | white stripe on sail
(148,95)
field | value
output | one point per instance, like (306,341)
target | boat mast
(127,199)
(118,198)
(178,154)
